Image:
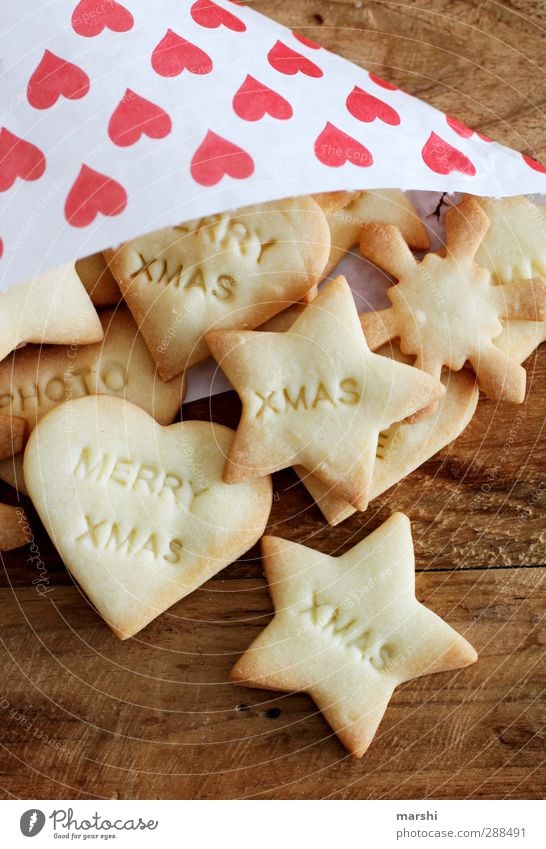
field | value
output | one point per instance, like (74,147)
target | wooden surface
(83,715)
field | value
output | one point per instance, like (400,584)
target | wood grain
(83,715)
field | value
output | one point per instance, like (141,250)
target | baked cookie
(34,379)
(445,310)
(514,248)
(139,512)
(97,278)
(53,308)
(13,433)
(231,270)
(14,527)
(348,630)
(316,396)
(405,446)
(382,206)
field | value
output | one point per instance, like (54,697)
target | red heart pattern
(93,193)
(134,116)
(253,100)
(307,41)
(210,15)
(90,17)
(174,54)
(334,148)
(217,157)
(366,107)
(532,163)
(287,61)
(18,158)
(442,158)
(458,127)
(380,81)
(190,102)
(54,78)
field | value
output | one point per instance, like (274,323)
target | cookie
(385,206)
(11,472)
(405,446)
(445,310)
(14,527)
(316,396)
(34,379)
(97,278)
(233,270)
(139,512)
(330,201)
(52,308)
(514,248)
(13,433)
(348,630)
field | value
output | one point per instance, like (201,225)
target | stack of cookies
(144,511)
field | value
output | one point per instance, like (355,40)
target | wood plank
(85,715)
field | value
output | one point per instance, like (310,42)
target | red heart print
(90,17)
(366,107)
(174,54)
(18,158)
(134,116)
(210,15)
(334,148)
(460,128)
(442,158)
(253,100)
(290,62)
(215,157)
(380,81)
(53,78)
(307,41)
(532,163)
(93,193)
(464,131)
(1,248)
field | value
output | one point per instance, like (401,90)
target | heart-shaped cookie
(233,270)
(137,511)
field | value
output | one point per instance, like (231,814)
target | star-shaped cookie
(316,396)
(446,310)
(348,630)
(514,248)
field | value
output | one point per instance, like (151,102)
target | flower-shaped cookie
(446,310)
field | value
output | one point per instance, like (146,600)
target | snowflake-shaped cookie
(446,310)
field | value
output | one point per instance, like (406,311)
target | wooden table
(83,715)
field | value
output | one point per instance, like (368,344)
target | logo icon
(32,822)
